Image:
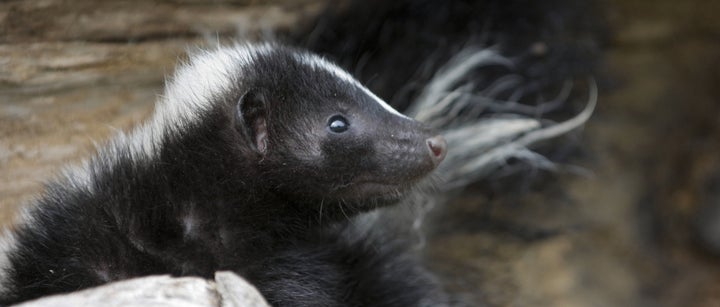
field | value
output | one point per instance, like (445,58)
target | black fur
(395,47)
(256,184)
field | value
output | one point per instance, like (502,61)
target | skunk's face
(322,138)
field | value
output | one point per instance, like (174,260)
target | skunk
(255,160)
(270,161)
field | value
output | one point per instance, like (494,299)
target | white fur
(189,223)
(319,63)
(192,90)
(79,176)
(450,74)
(7,244)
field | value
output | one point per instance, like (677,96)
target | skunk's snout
(437,149)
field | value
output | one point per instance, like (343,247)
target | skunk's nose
(438,148)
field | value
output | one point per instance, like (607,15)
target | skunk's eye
(338,124)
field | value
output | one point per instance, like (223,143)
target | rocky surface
(227,290)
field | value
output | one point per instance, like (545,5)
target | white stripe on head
(316,62)
(192,90)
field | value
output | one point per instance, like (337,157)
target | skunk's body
(237,171)
(254,161)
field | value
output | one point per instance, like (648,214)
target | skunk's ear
(252,119)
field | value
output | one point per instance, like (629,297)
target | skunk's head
(313,133)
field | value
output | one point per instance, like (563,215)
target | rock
(228,290)
(237,292)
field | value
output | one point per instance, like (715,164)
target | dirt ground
(623,234)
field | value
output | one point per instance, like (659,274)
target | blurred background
(639,225)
